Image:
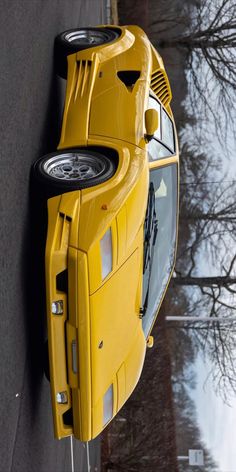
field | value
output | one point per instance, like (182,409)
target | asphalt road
(31,98)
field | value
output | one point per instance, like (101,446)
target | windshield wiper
(150,236)
(150,227)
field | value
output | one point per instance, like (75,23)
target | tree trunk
(207,217)
(203,281)
(191,42)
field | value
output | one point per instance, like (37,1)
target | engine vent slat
(160,86)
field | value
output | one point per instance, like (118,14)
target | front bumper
(68,332)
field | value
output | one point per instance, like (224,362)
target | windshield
(159,257)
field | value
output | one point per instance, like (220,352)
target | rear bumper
(68,332)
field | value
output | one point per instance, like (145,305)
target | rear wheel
(75,40)
(72,169)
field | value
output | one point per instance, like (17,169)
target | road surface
(31,98)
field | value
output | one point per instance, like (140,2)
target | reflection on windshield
(164,181)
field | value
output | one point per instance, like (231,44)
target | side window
(156,150)
(167,131)
(163,143)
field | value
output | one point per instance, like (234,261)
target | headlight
(106,253)
(108,405)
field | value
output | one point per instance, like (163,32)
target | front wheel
(68,170)
(75,40)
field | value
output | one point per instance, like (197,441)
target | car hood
(117,341)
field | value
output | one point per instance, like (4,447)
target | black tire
(71,169)
(75,40)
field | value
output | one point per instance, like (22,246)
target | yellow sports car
(112,201)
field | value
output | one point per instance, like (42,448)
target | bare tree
(209,211)
(210,201)
(221,289)
(142,437)
(206,34)
(188,433)
(217,340)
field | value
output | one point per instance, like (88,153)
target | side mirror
(150,341)
(151,123)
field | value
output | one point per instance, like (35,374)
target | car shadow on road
(33,251)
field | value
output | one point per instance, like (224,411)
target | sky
(217,421)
